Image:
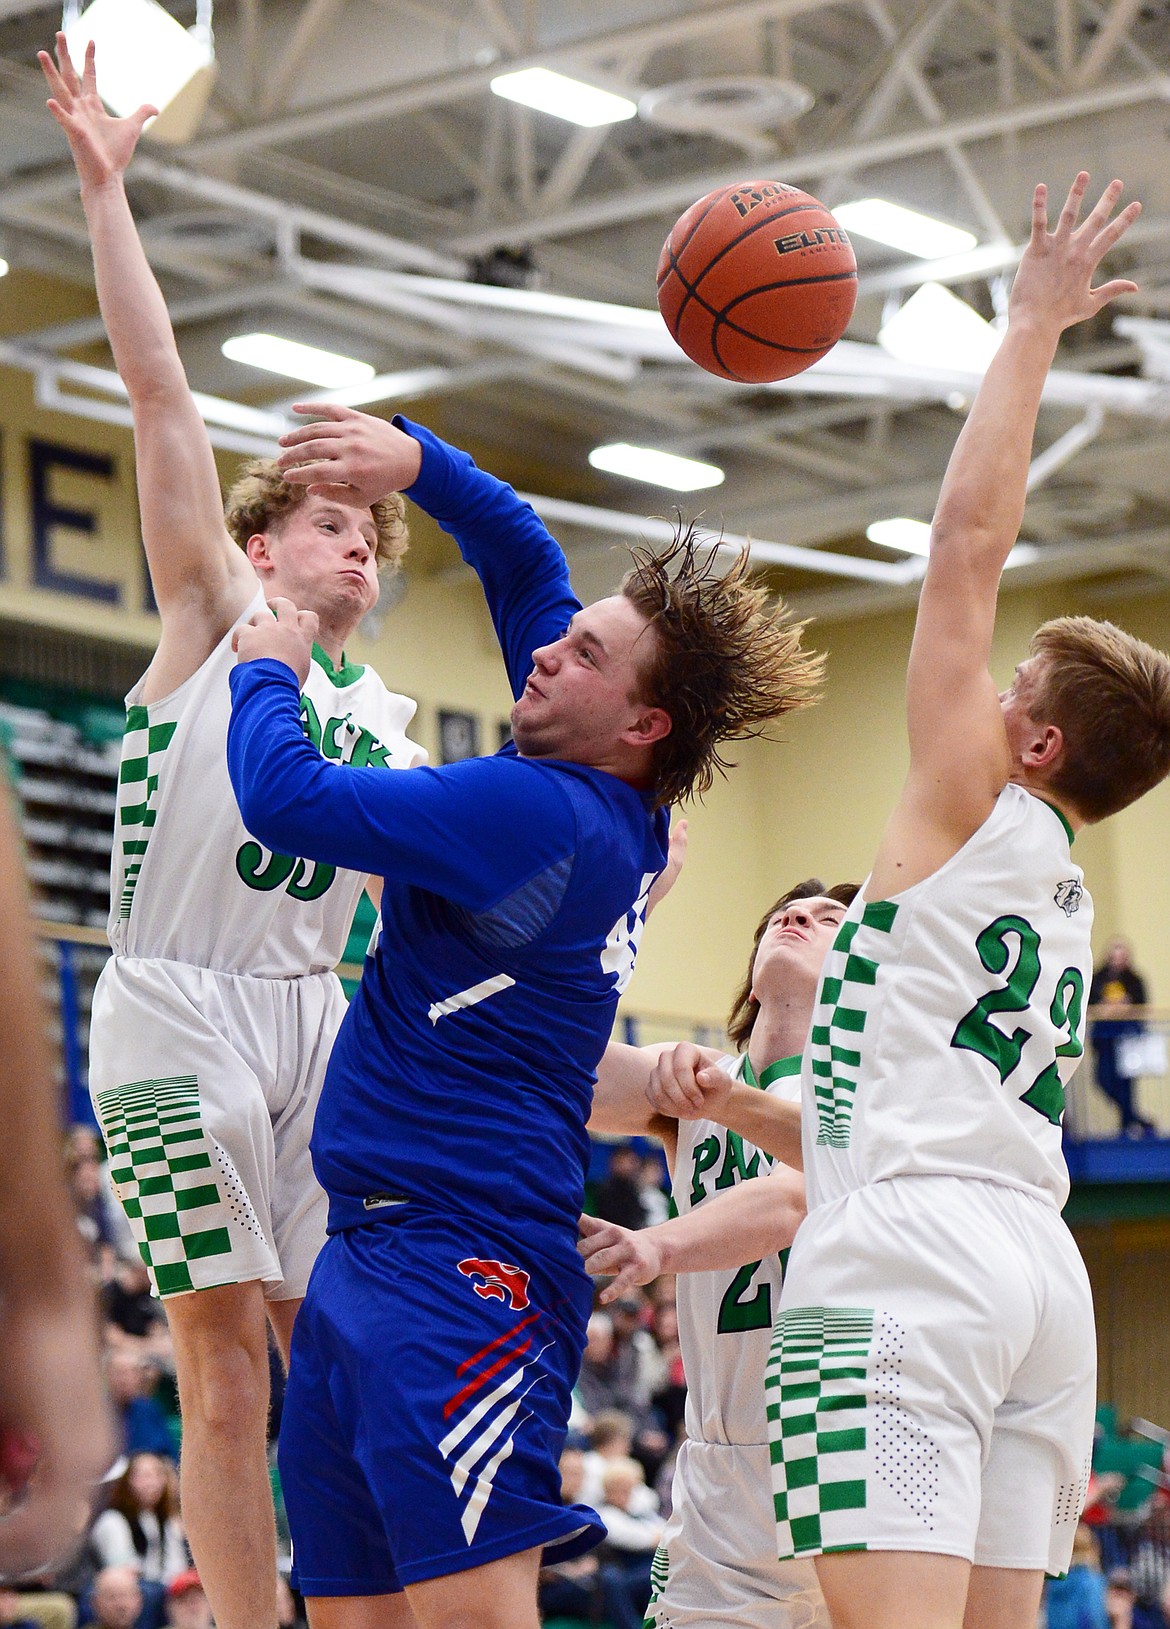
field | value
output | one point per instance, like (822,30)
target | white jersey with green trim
(188,882)
(950,1018)
(725,1318)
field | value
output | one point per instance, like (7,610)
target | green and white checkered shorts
(205,1085)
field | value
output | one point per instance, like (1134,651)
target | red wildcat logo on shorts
(501,1281)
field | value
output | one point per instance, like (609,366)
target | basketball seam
(692,289)
(748,232)
(673,252)
(719,319)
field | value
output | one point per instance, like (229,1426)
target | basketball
(757,281)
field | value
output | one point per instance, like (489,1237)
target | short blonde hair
(1109,695)
(261,498)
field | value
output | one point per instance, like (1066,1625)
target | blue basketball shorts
(427,1404)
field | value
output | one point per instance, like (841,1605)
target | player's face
(581,698)
(322,557)
(792,951)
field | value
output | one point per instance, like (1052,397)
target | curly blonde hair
(260,497)
(727,663)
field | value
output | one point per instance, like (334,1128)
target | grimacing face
(581,697)
(322,556)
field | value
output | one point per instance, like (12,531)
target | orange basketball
(757,281)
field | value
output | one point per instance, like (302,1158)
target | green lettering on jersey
(310,723)
(260,874)
(264,874)
(739,1311)
(703,1156)
(735,1167)
(975,1032)
(315,884)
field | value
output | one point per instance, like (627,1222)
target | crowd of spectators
(1120,1572)
(134,1570)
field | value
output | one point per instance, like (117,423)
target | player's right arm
(201,580)
(620,1106)
(959,755)
(520,564)
(686,1083)
(752,1220)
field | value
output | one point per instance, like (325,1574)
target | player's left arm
(959,756)
(752,1220)
(520,564)
(436,828)
(620,1106)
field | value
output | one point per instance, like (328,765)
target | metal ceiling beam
(469,82)
(1113,29)
(669,196)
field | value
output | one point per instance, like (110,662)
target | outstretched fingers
(1071,211)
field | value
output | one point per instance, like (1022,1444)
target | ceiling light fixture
(936,329)
(145,55)
(292,360)
(563,97)
(913,537)
(904,229)
(658,468)
(901,533)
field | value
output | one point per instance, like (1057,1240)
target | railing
(1090,1115)
(74,956)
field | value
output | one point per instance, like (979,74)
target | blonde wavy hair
(260,498)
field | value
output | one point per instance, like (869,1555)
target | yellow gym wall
(815,802)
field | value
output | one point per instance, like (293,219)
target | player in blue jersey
(443,1327)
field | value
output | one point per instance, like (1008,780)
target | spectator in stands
(187,1606)
(128,1301)
(1077,1601)
(652,1176)
(53,1418)
(570,1589)
(1148,1562)
(83,1170)
(1120,1599)
(141,1527)
(1117,989)
(619,1196)
(131,1381)
(634,1531)
(670,1398)
(116,1599)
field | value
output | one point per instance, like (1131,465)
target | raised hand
(102,146)
(1054,282)
(349,456)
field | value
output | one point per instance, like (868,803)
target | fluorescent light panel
(913,537)
(657,468)
(292,360)
(936,329)
(143,54)
(902,533)
(904,229)
(563,97)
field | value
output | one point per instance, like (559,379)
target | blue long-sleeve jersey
(513,896)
